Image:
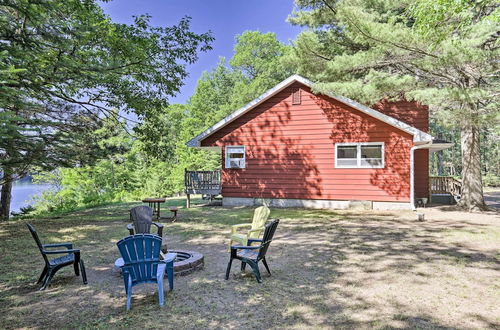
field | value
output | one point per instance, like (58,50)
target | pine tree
(441,53)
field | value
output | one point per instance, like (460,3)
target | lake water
(23,193)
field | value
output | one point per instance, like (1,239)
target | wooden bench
(201,182)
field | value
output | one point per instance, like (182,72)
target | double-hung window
(235,157)
(359,155)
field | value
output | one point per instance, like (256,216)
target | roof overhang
(438,145)
(418,135)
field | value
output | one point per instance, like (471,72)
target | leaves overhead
(65,64)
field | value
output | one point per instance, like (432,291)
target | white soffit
(418,135)
(439,146)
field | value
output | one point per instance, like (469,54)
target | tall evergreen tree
(441,53)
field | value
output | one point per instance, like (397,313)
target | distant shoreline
(23,193)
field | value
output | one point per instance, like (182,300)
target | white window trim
(358,154)
(227,161)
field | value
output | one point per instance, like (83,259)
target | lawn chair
(71,257)
(256,227)
(142,218)
(142,264)
(253,254)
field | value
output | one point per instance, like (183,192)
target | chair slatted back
(38,242)
(141,253)
(142,217)
(260,216)
(268,237)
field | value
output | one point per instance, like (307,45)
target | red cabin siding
(412,113)
(421,159)
(290,151)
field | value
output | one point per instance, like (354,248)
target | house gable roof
(418,135)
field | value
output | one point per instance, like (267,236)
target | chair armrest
(241,247)
(62,251)
(253,240)
(67,245)
(160,228)
(130,228)
(170,257)
(241,225)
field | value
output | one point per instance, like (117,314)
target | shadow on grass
(330,270)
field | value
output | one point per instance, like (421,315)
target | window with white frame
(235,157)
(359,155)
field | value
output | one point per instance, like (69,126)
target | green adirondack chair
(253,254)
(256,227)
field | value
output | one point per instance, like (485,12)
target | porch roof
(438,145)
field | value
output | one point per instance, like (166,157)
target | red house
(293,148)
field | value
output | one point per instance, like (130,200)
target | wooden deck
(202,182)
(444,185)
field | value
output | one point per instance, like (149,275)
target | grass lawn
(331,269)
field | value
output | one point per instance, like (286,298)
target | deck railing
(444,185)
(202,180)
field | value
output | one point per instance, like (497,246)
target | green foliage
(260,58)
(126,173)
(254,53)
(448,161)
(152,162)
(373,49)
(65,65)
(491,180)
(257,65)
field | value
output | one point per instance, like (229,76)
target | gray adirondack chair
(142,218)
(71,257)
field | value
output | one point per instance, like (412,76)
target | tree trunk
(472,186)
(440,163)
(5,197)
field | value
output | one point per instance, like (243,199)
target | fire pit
(187,262)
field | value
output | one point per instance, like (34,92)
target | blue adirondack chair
(142,264)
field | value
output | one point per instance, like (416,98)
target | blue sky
(225,19)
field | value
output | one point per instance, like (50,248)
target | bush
(491,180)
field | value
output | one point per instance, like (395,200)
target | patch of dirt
(341,269)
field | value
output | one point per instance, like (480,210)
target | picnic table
(154,203)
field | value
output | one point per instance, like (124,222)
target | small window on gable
(359,155)
(296,96)
(235,157)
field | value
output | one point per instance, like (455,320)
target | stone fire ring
(187,262)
